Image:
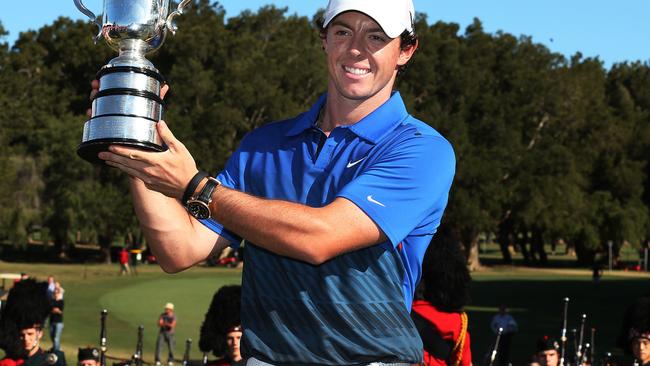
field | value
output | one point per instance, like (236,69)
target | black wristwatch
(199,207)
(191,186)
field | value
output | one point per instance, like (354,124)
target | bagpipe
(581,351)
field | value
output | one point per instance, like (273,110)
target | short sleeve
(228,178)
(405,190)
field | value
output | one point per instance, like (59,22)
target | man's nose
(357,45)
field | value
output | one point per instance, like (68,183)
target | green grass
(534,295)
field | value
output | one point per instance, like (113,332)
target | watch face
(198,209)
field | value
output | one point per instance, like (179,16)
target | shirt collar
(382,120)
(308,119)
(372,127)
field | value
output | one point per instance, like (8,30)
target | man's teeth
(355,71)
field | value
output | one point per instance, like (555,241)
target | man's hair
(27,306)
(407,39)
(224,314)
(636,321)
(445,279)
(547,343)
(88,353)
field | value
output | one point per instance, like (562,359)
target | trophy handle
(179,10)
(82,8)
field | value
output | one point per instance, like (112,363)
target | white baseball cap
(394,16)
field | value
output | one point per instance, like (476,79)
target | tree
(547,148)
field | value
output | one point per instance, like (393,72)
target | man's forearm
(171,233)
(290,229)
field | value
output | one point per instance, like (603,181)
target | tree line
(548,148)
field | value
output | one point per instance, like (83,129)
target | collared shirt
(353,308)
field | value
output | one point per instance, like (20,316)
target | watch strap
(191,186)
(206,193)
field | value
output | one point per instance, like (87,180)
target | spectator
(124,262)
(221,330)
(56,319)
(641,348)
(135,255)
(547,352)
(438,307)
(505,321)
(635,333)
(57,286)
(88,356)
(533,361)
(596,272)
(167,324)
(232,356)
(51,285)
(21,326)
(23,276)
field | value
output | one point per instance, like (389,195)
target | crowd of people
(29,304)
(438,314)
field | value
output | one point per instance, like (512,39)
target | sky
(613,31)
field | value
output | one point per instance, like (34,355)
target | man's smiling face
(362,60)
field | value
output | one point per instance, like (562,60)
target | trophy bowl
(128,106)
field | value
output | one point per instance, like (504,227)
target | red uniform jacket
(11,362)
(448,325)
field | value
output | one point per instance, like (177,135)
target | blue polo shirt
(353,309)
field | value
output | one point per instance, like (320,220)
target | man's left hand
(167,172)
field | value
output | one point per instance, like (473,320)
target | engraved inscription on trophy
(128,105)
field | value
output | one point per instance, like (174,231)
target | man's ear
(406,54)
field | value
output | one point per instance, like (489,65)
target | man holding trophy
(338,204)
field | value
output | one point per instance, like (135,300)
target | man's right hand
(177,241)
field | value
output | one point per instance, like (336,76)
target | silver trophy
(128,105)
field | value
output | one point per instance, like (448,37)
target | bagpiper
(21,326)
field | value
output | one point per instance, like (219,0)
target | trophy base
(90,149)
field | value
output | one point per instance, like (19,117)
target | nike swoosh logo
(351,164)
(370,199)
